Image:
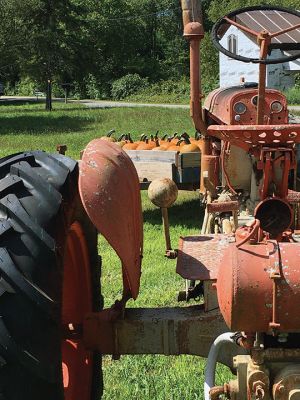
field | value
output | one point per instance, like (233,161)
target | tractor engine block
(266,375)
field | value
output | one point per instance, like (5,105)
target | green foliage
(209,65)
(168,91)
(26,87)
(297,81)
(293,95)
(218,8)
(94,89)
(91,45)
(128,85)
(57,90)
(179,87)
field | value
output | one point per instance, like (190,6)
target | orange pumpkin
(188,147)
(173,147)
(163,140)
(130,145)
(174,138)
(145,145)
(122,140)
(153,142)
(108,137)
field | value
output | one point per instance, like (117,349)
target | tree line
(93,43)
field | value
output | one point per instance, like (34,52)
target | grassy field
(27,126)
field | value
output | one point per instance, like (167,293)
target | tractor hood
(110,192)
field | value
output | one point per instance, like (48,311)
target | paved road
(91,103)
(13,99)
(111,104)
(294,108)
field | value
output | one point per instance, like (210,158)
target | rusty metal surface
(168,331)
(293,197)
(223,206)
(264,42)
(243,28)
(195,83)
(276,164)
(199,257)
(251,136)
(209,174)
(194,33)
(109,189)
(275,215)
(275,375)
(286,383)
(258,287)
(210,296)
(191,11)
(219,105)
(261,356)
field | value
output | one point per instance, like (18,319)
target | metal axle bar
(167,331)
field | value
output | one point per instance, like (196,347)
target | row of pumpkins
(181,143)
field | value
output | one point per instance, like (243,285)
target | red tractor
(245,262)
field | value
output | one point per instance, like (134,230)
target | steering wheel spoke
(241,27)
(282,32)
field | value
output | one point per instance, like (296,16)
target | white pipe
(210,370)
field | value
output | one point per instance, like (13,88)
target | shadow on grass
(20,103)
(188,214)
(36,105)
(42,124)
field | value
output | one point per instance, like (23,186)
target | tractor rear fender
(110,192)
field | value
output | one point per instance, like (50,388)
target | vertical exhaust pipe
(191,11)
(194,33)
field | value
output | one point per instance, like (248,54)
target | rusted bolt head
(259,392)
(163,192)
(258,383)
(259,389)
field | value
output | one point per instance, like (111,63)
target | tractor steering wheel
(230,19)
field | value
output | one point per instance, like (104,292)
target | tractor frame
(246,263)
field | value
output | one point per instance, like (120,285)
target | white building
(279,76)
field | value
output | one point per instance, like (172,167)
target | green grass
(28,126)
(171,98)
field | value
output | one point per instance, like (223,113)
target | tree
(218,8)
(91,43)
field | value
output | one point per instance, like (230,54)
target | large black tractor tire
(39,202)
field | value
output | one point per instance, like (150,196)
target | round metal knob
(163,192)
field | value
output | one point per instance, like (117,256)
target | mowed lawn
(24,127)
(29,126)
